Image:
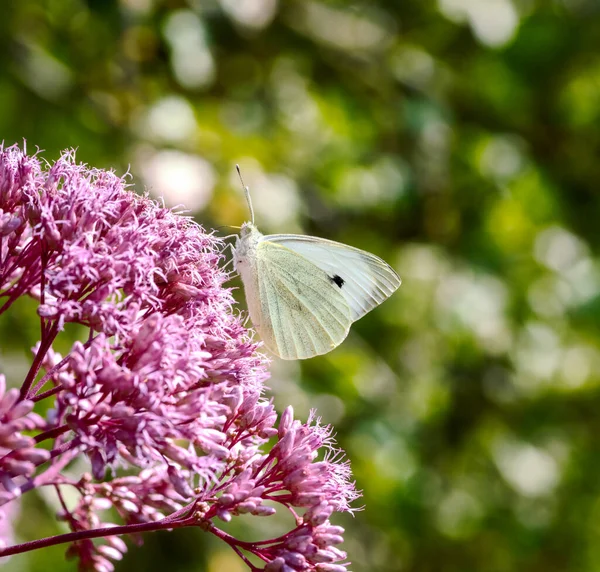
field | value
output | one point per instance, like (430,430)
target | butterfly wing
(363,279)
(302,311)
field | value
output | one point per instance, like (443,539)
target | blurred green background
(457,139)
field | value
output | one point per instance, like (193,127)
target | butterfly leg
(228,245)
(231,249)
(230,236)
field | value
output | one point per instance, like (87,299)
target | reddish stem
(41,437)
(18,262)
(48,393)
(52,433)
(96,533)
(236,544)
(52,371)
(37,361)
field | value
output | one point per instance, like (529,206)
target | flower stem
(37,361)
(95,533)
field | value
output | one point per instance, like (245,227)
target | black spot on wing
(337,280)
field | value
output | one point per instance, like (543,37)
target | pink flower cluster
(162,393)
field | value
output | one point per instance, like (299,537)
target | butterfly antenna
(247,193)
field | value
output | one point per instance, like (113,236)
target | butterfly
(303,292)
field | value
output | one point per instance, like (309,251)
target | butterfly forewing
(363,279)
(303,311)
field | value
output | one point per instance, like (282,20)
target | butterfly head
(246,230)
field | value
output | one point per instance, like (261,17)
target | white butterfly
(304,292)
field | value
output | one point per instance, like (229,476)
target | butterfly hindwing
(303,311)
(364,280)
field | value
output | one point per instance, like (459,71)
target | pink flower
(165,382)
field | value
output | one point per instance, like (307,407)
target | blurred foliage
(457,139)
